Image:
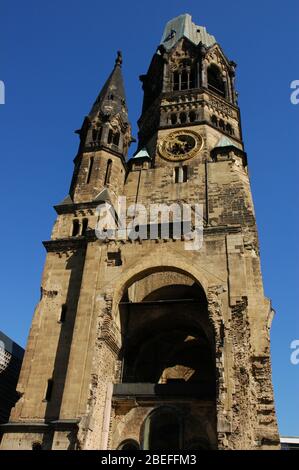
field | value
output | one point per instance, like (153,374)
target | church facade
(138,342)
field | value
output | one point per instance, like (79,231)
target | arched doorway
(168,358)
(163,429)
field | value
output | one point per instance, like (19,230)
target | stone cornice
(65,244)
(69,208)
(39,426)
(75,243)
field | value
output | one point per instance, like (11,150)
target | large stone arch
(212,287)
(110,339)
(171,262)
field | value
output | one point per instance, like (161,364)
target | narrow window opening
(116,138)
(192,79)
(185,174)
(214,120)
(192,116)
(110,136)
(94,134)
(221,124)
(173,119)
(181,174)
(76,228)
(108,172)
(183,118)
(99,134)
(176,81)
(184,80)
(229,129)
(84,226)
(49,389)
(91,161)
(63,311)
(215,81)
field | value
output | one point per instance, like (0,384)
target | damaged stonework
(106,350)
(266,434)
(243,403)
(215,309)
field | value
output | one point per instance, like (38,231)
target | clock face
(180,145)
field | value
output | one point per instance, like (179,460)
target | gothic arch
(171,262)
(173,366)
(174,427)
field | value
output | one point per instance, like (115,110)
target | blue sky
(55,57)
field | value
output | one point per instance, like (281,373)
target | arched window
(116,136)
(173,118)
(214,120)
(184,80)
(176,81)
(221,124)
(192,116)
(84,226)
(108,172)
(113,137)
(177,175)
(110,136)
(192,78)
(163,430)
(229,129)
(97,134)
(180,174)
(128,444)
(76,228)
(215,81)
(183,118)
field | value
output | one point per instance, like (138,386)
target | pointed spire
(119,58)
(112,99)
(107,125)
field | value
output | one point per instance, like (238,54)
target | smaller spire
(107,124)
(111,99)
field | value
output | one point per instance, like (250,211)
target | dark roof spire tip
(119,58)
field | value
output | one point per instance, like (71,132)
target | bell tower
(140,343)
(190,83)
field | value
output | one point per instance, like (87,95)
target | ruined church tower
(140,343)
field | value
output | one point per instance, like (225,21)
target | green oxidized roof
(143,153)
(225,142)
(183,26)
